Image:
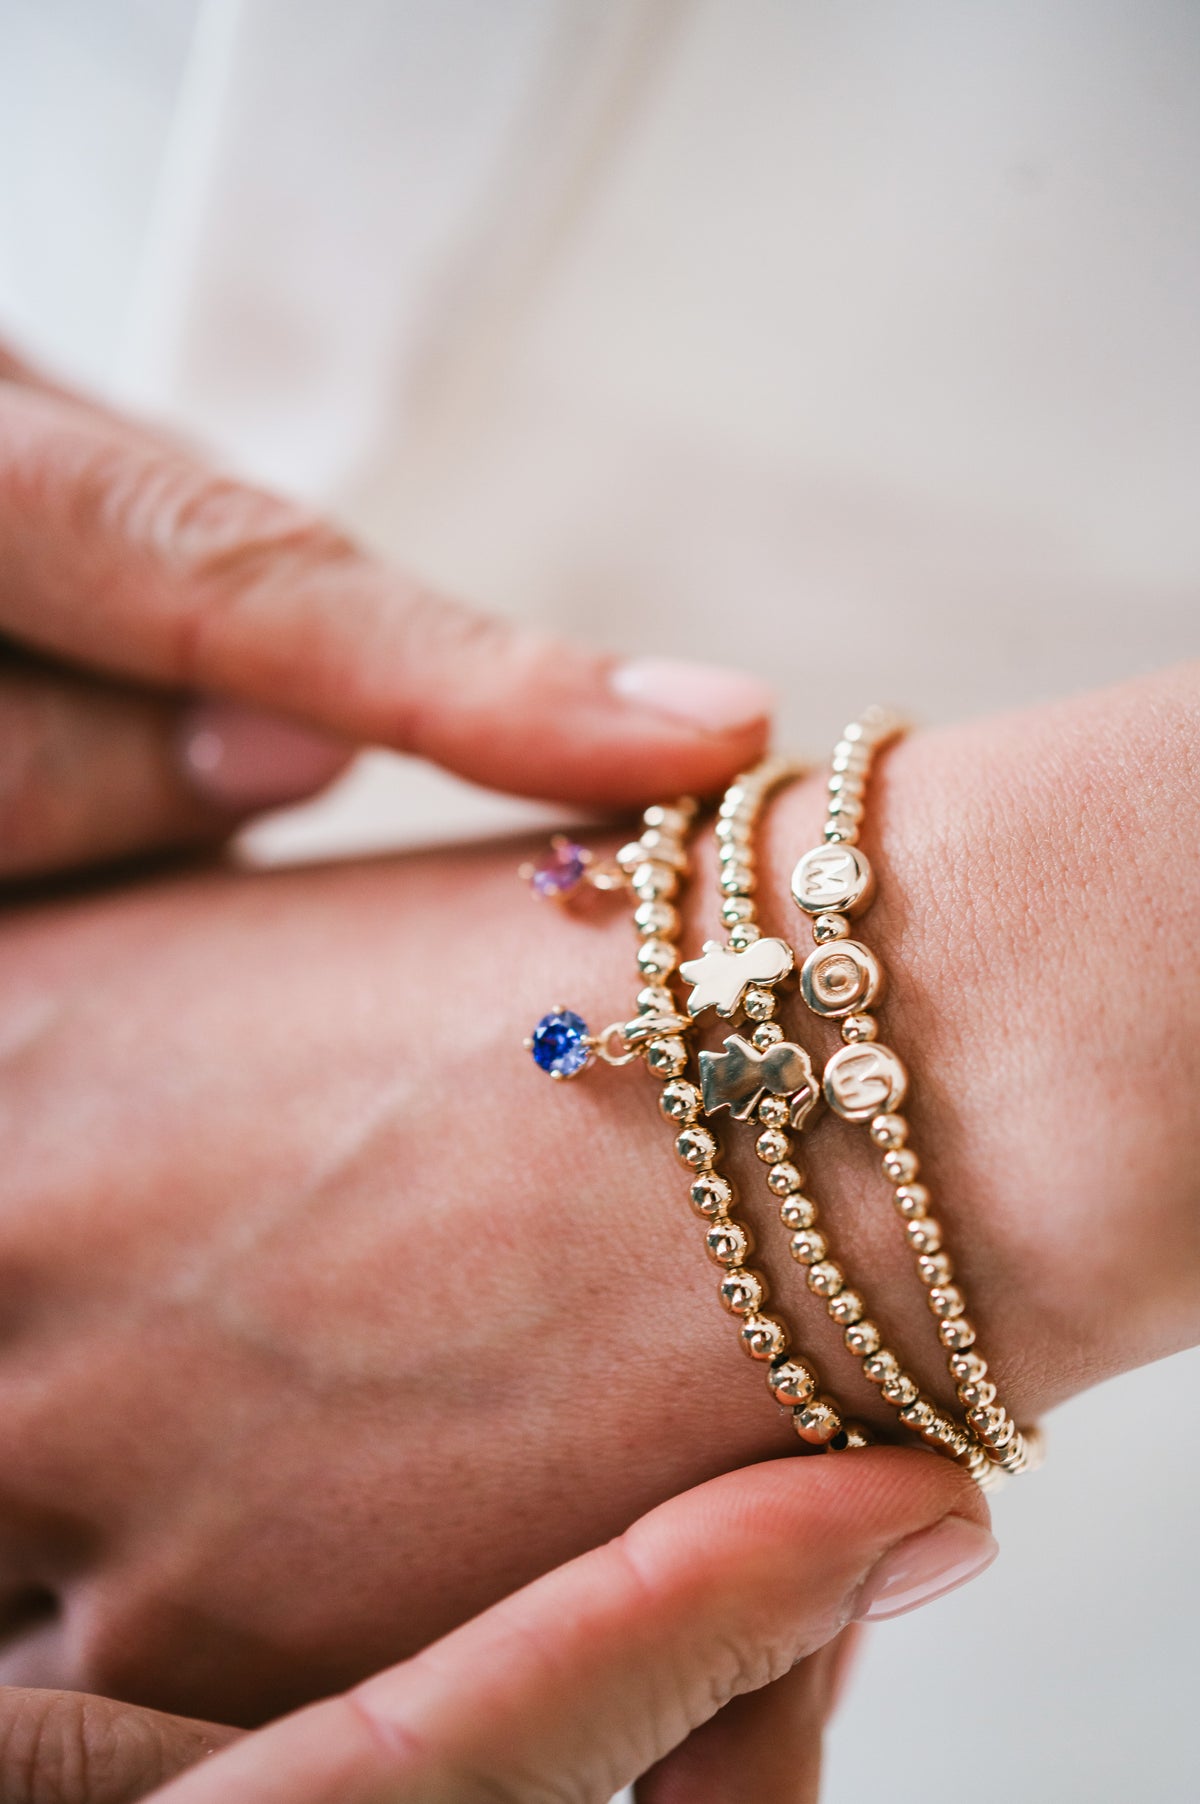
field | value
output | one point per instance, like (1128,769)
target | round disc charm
(863,1081)
(833,880)
(840,978)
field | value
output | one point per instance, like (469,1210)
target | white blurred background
(857,344)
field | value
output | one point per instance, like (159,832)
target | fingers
(63,1747)
(586,1678)
(766,1744)
(121,552)
(93,771)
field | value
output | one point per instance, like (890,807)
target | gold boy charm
(739,1077)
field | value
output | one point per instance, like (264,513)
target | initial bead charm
(834,879)
(863,1081)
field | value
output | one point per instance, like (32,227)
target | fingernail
(925,1566)
(240,758)
(702,695)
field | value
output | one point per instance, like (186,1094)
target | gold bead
(759,1004)
(735,798)
(772,1146)
(944,1432)
(711,1195)
(888,1131)
(680,1100)
(956,1334)
(743,1292)
(817,1422)
(900,1391)
(846,1307)
(825,1278)
(763,1337)
(881,1366)
(946,1300)
(797,1212)
(728,1243)
(830,927)
(672,821)
(993,1425)
(657,958)
(862,1338)
(935,1268)
(735,909)
(924,1234)
(664,848)
(900,1165)
(655,918)
(737,880)
(853,1434)
(792,1382)
(845,783)
(858,1029)
(655,999)
(919,1415)
(773,1111)
(843,808)
(745,934)
(630,856)
(654,882)
(911,1200)
(977,1396)
(667,1057)
(784,1178)
(734,847)
(768,1033)
(696,1147)
(968,1368)
(807,1246)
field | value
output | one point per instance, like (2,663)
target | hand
(328,1320)
(588,1678)
(136,580)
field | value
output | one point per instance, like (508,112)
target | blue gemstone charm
(560,1044)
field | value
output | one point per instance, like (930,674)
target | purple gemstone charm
(559,1043)
(562,873)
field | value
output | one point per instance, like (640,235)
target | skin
(329,1322)
(304,1271)
(719,1612)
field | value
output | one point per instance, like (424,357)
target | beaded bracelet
(866,1082)
(734,1080)
(654,866)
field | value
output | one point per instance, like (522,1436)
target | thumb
(124,553)
(64,1747)
(586,1678)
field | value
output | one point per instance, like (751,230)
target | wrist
(1000,929)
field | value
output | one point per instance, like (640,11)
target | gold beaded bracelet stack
(767,1080)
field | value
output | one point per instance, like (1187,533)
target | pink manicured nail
(703,695)
(240,758)
(924,1567)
